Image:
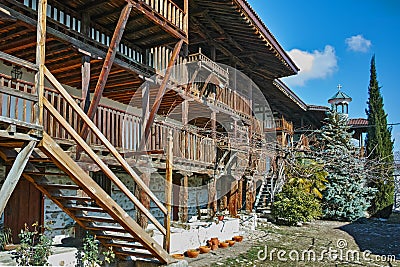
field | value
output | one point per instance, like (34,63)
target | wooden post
(85,69)
(184,196)
(40,57)
(186,18)
(240,195)
(146,171)
(15,173)
(160,94)
(168,190)
(108,61)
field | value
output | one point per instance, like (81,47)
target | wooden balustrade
(121,128)
(169,10)
(17,100)
(211,65)
(283,125)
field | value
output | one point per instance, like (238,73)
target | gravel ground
(380,238)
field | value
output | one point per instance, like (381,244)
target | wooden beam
(40,57)
(168,190)
(108,61)
(160,94)
(18,61)
(15,173)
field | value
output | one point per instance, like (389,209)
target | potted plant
(220,216)
(204,249)
(6,242)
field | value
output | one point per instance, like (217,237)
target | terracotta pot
(10,247)
(204,249)
(223,244)
(214,241)
(193,253)
(178,256)
(231,242)
(214,247)
(220,217)
(238,238)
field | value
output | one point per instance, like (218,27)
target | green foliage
(294,205)
(307,174)
(89,255)
(347,197)
(5,237)
(379,147)
(35,247)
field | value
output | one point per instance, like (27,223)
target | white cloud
(358,43)
(315,65)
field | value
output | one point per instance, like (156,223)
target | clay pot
(193,253)
(238,238)
(9,247)
(178,256)
(214,241)
(204,249)
(231,242)
(220,217)
(223,244)
(214,247)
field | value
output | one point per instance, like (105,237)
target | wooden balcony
(210,65)
(282,125)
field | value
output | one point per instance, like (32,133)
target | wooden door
(24,206)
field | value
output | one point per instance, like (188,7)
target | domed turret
(340,99)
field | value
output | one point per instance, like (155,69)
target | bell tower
(340,101)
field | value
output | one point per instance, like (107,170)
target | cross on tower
(339,86)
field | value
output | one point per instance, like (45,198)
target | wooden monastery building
(116,115)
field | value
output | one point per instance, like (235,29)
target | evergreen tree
(379,146)
(346,196)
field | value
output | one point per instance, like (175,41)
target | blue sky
(333,42)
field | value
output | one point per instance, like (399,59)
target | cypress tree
(379,147)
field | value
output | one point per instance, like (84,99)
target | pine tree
(379,146)
(346,196)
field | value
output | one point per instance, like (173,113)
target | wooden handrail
(18,61)
(101,164)
(104,140)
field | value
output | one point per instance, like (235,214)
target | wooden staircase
(83,199)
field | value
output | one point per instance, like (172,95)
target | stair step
(125,244)
(133,253)
(45,173)
(96,219)
(106,228)
(116,237)
(61,186)
(78,198)
(85,208)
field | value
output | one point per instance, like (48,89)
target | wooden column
(212,188)
(146,171)
(160,93)
(85,70)
(240,195)
(249,195)
(40,57)
(168,190)
(108,61)
(184,196)
(233,199)
(13,176)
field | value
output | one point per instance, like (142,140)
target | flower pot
(223,244)
(238,238)
(10,247)
(214,247)
(193,253)
(214,241)
(204,249)
(178,256)
(231,242)
(220,217)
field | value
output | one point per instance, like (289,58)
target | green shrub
(294,205)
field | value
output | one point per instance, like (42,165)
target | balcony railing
(122,128)
(284,125)
(209,64)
